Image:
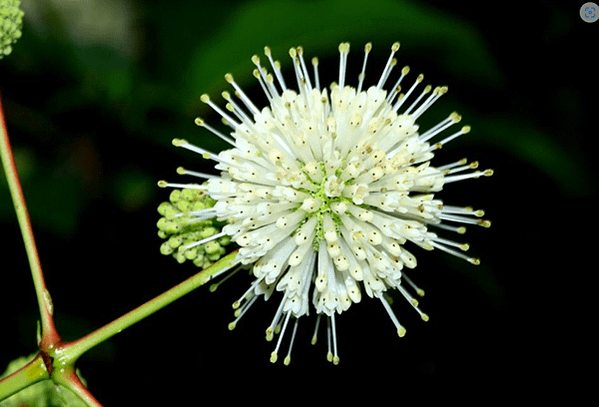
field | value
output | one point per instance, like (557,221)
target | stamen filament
(389,66)
(206,240)
(401,331)
(362,75)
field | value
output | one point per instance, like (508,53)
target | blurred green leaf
(133,189)
(321,25)
(522,141)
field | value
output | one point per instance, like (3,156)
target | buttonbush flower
(189,237)
(11,22)
(326,190)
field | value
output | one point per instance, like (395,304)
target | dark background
(94,92)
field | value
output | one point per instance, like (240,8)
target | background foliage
(94,91)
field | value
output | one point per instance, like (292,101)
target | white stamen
(300,53)
(476,174)
(437,93)
(288,357)
(401,331)
(362,75)
(463,130)
(315,335)
(316,75)
(416,83)
(273,356)
(276,68)
(439,127)
(200,122)
(241,94)
(242,312)
(164,184)
(390,64)
(343,51)
(183,171)
(206,240)
(230,121)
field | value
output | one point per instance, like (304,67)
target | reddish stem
(49,334)
(50,340)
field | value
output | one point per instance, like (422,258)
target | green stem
(72,350)
(69,379)
(57,358)
(33,372)
(49,333)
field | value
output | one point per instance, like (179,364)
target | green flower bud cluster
(41,394)
(11,22)
(181,228)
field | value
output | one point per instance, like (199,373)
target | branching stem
(56,359)
(49,333)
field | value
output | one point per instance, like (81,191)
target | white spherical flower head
(323,188)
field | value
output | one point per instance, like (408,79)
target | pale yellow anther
(226,95)
(273,357)
(395,46)
(256,59)
(484,223)
(181,171)
(455,117)
(465,246)
(488,173)
(199,121)
(267,51)
(269,334)
(229,77)
(473,165)
(232,326)
(315,61)
(229,107)
(205,98)
(300,50)
(405,70)
(466,129)
(368,47)
(162,184)
(427,89)
(424,317)
(292,53)
(401,331)
(256,73)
